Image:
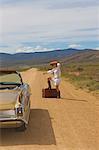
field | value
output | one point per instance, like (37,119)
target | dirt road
(71,123)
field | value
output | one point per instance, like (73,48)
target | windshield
(9,78)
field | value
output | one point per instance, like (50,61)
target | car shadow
(39,131)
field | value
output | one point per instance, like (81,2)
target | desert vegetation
(82,75)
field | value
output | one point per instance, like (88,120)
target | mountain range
(37,58)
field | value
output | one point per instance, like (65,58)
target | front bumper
(11,123)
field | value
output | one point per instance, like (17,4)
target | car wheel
(23,127)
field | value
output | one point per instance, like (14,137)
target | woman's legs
(58,91)
(49,83)
(57,88)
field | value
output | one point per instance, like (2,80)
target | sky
(44,25)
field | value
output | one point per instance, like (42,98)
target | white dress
(56,74)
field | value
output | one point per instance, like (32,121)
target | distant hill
(38,58)
(85,56)
(82,69)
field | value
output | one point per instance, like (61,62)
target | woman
(56,72)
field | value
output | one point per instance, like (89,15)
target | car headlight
(19,111)
(18,106)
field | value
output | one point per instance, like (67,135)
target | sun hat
(53,62)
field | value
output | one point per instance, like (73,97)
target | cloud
(97,48)
(32,49)
(36,22)
(65,4)
(89,29)
(51,4)
(4,46)
(74,46)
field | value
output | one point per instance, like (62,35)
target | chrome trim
(13,119)
(10,112)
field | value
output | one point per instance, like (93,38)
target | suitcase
(50,93)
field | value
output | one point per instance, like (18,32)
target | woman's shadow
(39,131)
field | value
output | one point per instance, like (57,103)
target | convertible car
(14,100)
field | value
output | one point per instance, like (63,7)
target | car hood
(8,98)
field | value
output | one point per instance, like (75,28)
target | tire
(22,128)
